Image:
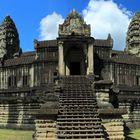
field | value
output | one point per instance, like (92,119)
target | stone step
(77,95)
(81,106)
(43,130)
(84,126)
(80,131)
(119,137)
(80,135)
(80,139)
(79,103)
(78,119)
(63,110)
(77,91)
(70,112)
(76,88)
(77,115)
(79,123)
(43,135)
(78,98)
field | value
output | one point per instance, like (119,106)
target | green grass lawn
(135,134)
(9,134)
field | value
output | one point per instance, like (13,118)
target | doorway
(75,68)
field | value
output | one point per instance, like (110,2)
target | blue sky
(28,14)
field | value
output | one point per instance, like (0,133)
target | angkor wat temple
(72,87)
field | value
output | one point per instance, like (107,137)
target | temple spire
(133,36)
(109,38)
(9,38)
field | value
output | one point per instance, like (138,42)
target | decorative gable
(74,25)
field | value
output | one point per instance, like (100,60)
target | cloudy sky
(40,19)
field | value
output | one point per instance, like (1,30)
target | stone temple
(74,87)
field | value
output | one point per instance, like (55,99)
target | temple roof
(26,58)
(9,39)
(102,43)
(133,35)
(125,58)
(48,43)
(8,21)
(74,24)
(53,43)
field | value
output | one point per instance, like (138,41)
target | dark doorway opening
(75,68)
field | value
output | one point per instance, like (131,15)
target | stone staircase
(78,117)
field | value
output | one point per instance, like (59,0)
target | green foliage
(9,134)
(135,134)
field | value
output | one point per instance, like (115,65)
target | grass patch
(135,134)
(10,134)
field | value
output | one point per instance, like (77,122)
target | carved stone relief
(74,24)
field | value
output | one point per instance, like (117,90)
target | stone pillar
(6,79)
(90,59)
(31,73)
(67,70)
(61,63)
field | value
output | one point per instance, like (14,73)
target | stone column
(67,70)
(31,73)
(61,63)
(6,79)
(90,59)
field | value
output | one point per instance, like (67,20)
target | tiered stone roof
(45,43)
(133,36)
(9,38)
(24,59)
(125,58)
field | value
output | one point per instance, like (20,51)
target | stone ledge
(110,111)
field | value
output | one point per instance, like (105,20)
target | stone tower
(9,39)
(133,36)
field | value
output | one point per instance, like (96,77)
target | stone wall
(132,118)
(113,128)
(111,117)
(17,115)
(45,129)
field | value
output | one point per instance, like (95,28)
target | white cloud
(105,16)
(49,26)
(108,17)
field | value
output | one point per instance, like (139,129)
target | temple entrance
(75,60)
(75,68)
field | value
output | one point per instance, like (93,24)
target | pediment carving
(74,25)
